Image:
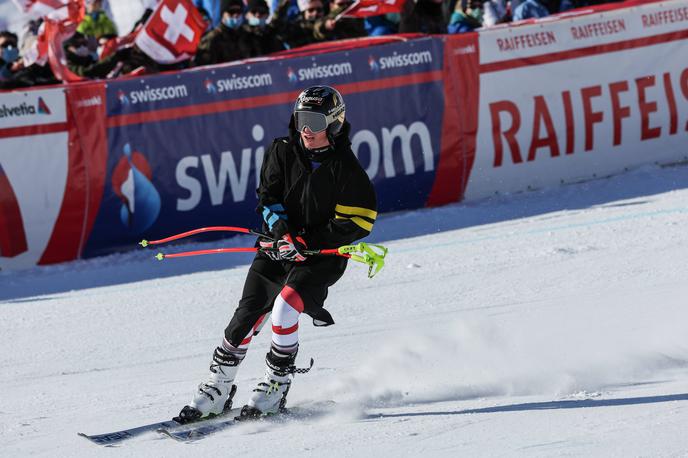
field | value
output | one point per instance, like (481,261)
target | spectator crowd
(239,29)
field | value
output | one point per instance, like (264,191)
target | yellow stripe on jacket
(362,217)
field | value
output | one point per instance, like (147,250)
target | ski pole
(371,255)
(144,243)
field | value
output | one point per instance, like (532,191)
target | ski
(199,430)
(117,437)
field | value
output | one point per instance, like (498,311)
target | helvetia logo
(43,107)
(12,234)
(24,109)
(132,182)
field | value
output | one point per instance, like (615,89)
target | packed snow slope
(546,323)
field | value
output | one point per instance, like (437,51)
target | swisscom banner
(185,150)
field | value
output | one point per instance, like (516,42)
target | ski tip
(160,256)
(144,243)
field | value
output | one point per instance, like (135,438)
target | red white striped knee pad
(286,310)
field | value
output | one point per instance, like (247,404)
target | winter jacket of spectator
(495,12)
(465,20)
(5,70)
(422,16)
(530,9)
(345,27)
(33,75)
(376,26)
(122,62)
(223,44)
(292,32)
(97,25)
(261,40)
(297,33)
(330,205)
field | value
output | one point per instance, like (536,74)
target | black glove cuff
(279,229)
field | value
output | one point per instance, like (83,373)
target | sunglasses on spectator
(235,12)
(259,13)
(314,10)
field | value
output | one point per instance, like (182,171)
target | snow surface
(550,323)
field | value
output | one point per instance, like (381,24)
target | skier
(313,194)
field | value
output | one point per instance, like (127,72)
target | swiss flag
(365,8)
(172,33)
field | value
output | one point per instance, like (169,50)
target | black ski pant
(266,278)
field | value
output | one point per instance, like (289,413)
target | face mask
(256,22)
(233,22)
(95,15)
(82,51)
(10,54)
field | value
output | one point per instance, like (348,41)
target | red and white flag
(172,33)
(61,19)
(56,32)
(365,8)
(53,9)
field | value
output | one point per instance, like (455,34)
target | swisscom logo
(399,60)
(149,94)
(25,109)
(237,83)
(316,71)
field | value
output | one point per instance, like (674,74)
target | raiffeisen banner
(581,97)
(185,150)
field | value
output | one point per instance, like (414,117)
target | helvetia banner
(34,163)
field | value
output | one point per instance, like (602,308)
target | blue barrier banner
(185,149)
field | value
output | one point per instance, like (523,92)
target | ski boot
(214,397)
(270,396)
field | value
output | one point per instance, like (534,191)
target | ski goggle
(316,122)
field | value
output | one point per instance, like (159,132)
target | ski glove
(291,249)
(269,249)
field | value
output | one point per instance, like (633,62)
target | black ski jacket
(329,206)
